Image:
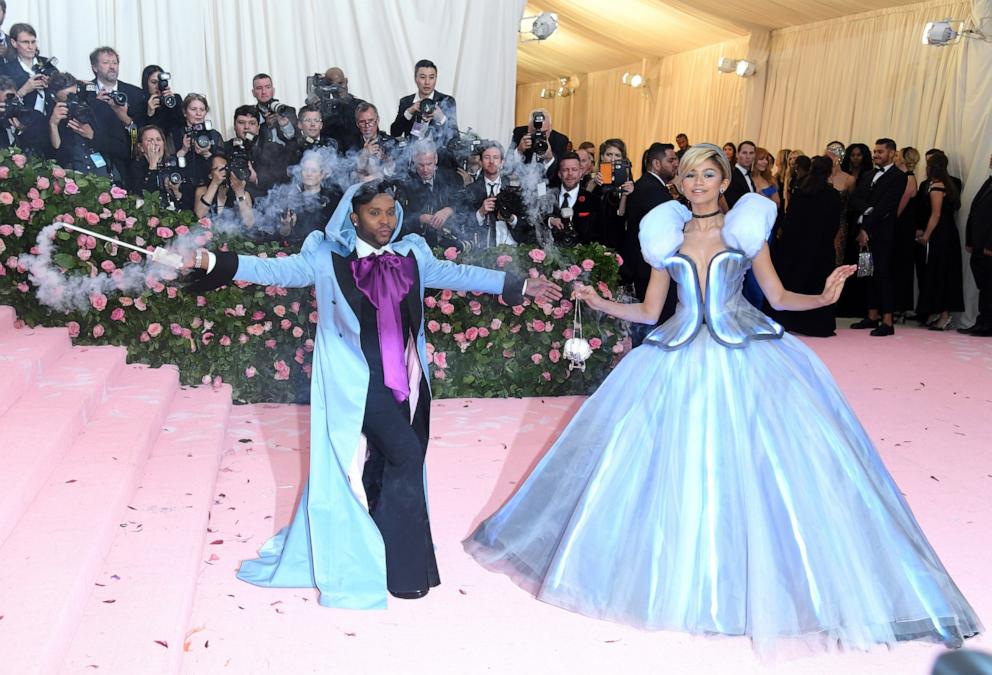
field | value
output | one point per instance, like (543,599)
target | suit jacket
(137,101)
(882,198)
(648,193)
(472,197)
(33,139)
(419,199)
(583,227)
(110,139)
(12,69)
(738,187)
(401,126)
(978,231)
(559,146)
(265,131)
(270,160)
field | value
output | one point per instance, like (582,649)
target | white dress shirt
(747,176)
(438,113)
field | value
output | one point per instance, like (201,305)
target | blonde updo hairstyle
(697,155)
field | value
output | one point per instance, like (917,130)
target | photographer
(427,113)
(277,121)
(329,93)
(163,107)
(372,140)
(612,185)
(85,133)
(4,38)
(497,215)
(251,157)
(433,195)
(196,140)
(20,126)
(29,71)
(221,192)
(311,201)
(155,170)
(126,100)
(538,142)
(308,135)
(571,218)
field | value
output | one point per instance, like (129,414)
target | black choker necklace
(698,216)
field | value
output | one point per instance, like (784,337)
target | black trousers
(394,484)
(880,289)
(981,268)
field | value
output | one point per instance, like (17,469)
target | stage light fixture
(745,68)
(541,27)
(725,65)
(634,80)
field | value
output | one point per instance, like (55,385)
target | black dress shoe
(865,323)
(409,595)
(981,332)
(883,330)
(968,331)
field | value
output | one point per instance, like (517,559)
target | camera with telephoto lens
(118,97)
(78,108)
(427,107)
(539,140)
(273,107)
(13,106)
(463,146)
(46,67)
(510,200)
(324,94)
(168,100)
(238,162)
(200,135)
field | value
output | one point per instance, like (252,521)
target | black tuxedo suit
(484,235)
(877,201)
(582,229)
(401,126)
(738,187)
(559,146)
(648,193)
(978,235)
(421,198)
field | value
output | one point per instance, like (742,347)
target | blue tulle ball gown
(719,482)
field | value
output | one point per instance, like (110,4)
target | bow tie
(880,169)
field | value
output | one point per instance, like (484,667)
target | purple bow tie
(385,279)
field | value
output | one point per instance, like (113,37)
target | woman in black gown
(858,163)
(941,287)
(805,255)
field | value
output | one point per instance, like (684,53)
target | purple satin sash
(385,280)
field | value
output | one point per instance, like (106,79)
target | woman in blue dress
(686,495)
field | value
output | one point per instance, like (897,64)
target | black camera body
(273,107)
(169,174)
(78,108)
(510,200)
(118,97)
(168,100)
(463,146)
(47,67)
(200,135)
(427,107)
(239,161)
(14,106)
(327,94)
(539,140)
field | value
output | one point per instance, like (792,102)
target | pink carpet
(926,398)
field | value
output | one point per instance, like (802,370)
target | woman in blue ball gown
(718,481)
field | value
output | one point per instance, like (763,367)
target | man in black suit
(106,66)
(339,111)
(433,197)
(274,128)
(740,176)
(571,210)
(26,129)
(978,243)
(492,221)
(22,57)
(877,199)
(436,120)
(267,161)
(682,140)
(653,188)
(523,142)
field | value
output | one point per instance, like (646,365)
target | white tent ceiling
(600,34)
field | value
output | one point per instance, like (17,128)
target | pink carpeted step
(7,318)
(24,355)
(156,555)
(53,556)
(36,430)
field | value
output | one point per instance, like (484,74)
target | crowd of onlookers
(284,170)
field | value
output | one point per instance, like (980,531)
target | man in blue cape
(362,525)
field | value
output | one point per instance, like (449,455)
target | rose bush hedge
(259,339)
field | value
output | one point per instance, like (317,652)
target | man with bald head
(524,138)
(339,120)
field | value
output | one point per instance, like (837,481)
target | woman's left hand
(835,284)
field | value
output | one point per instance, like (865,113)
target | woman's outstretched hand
(835,283)
(586,294)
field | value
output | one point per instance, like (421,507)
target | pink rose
(104,198)
(140,304)
(554,356)
(164,232)
(446,328)
(285,324)
(433,326)
(23,211)
(441,359)
(98,330)
(257,315)
(57,172)
(71,188)
(496,324)
(134,257)
(250,372)
(517,309)
(154,329)
(439,374)
(537,255)
(6,198)
(459,337)
(4,172)
(446,295)
(144,337)
(546,375)
(536,358)
(43,183)
(201,301)
(182,229)
(475,307)
(472,333)
(503,260)
(225,341)
(83,254)
(619,259)
(595,343)
(92,218)
(483,332)
(538,326)
(507,354)
(447,309)
(172,292)
(279,310)
(117,314)
(206,338)
(120,215)
(313,317)
(99,301)
(450,253)
(297,332)
(430,302)
(6,230)
(588,264)
(567,276)
(73,327)
(282,370)
(118,193)
(255,329)
(19,160)
(175,329)
(153,222)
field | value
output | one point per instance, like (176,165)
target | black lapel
(346,281)
(414,301)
